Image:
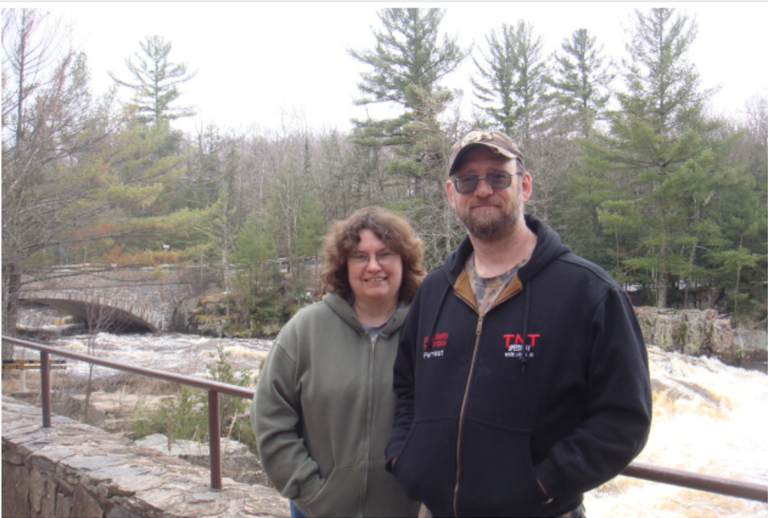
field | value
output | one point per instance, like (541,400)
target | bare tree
(99,318)
(48,123)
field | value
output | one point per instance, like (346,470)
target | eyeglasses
(496,180)
(383,258)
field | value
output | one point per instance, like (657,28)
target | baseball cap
(495,140)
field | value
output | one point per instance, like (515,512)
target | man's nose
(483,189)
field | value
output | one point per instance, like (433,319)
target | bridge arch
(133,297)
(102,314)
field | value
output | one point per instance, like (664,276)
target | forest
(628,164)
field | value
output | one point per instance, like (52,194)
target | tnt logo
(515,345)
(437,340)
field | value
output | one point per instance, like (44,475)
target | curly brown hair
(393,230)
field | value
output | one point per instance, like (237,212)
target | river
(709,418)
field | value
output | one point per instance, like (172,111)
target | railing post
(45,387)
(214,436)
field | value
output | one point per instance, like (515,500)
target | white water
(185,354)
(709,418)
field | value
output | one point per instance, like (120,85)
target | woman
(324,403)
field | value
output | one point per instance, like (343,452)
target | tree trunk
(88,391)
(661,289)
(11,287)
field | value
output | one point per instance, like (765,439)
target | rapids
(708,418)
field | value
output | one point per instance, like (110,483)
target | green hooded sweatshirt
(323,413)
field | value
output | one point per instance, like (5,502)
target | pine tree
(155,82)
(659,162)
(512,80)
(408,61)
(499,73)
(737,261)
(408,64)
(581,80)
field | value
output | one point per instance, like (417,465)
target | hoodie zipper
(369,417)
(478,332)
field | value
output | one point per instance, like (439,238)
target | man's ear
(527,186)
(449,191)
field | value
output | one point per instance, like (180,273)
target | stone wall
(73,470)
(698,333)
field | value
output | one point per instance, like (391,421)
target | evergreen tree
(581,80)
(756,139)
(257,276)
(152,205)
(408,64)
(205,174)
(499,73)
(738,262)
(512,84)
(408,61)
(155,82)
(660,161)
(512,80)
(342,174)
(142,213)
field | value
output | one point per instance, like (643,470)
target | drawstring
(524,357)
(437,317)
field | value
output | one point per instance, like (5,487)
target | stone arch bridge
(135,298)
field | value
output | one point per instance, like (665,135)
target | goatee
(491,226)
(485,228)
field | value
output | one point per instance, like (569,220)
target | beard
(489,226)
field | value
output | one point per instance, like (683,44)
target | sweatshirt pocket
(497,476)
(340,495)
(427,463)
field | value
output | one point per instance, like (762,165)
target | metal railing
(213,388)
(710,484)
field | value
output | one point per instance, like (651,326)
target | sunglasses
(496,180)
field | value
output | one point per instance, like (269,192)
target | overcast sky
(258,62)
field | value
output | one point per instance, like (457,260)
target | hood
(548,248)
(344,309)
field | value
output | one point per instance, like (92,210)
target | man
(521,376)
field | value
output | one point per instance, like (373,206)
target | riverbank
(703,333)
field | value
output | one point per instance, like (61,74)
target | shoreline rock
(701,333)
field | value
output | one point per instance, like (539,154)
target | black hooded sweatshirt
(552,383)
